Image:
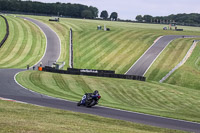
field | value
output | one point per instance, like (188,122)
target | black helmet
(95,92)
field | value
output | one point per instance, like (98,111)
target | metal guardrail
(7,31)
(91,72)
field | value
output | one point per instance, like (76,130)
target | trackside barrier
(91,72)
(71,48)
(7,31)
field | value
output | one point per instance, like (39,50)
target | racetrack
(10,89)
(142,65)
(52,52)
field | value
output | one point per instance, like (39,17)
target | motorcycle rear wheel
(79,103)
(90,104)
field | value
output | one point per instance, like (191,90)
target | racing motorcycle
(89,100)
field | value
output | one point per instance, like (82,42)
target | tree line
(113,16)
(192,19)
(60,9)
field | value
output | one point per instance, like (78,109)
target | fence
(7,31)
(71,49)
(92,72)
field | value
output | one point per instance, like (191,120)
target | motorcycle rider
(88,96)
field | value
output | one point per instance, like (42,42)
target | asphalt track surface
(147,59)
(52,52)
(11,90)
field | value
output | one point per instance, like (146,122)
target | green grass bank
(187,75)
(150,98)
(24,46)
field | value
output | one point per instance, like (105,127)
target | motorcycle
(89,100)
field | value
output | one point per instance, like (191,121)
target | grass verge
(151,98)
(189,74)
(18,118)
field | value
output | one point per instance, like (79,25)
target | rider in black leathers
(87,97)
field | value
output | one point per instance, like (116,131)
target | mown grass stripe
(106,48)
(119,51)
(24,41)
(53,88)
(84,49)
(10,43)
(85,55)
(28,58)
(75,27)
(81,83)
(22,47)
(2,28)
(110,52)
(95,46)
(63,87)
(17,44)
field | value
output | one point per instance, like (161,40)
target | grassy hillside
(18,118)
(115,50)
(2,28)
(189,74)
(24,46)
(151,98)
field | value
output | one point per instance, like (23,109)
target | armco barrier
(91,72)
(7,31)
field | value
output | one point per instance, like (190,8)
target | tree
(29,6)
(147,18)
(94,11)
(139,18)
(104,14)
(114,16)
(87,14)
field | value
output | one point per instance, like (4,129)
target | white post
(105,27)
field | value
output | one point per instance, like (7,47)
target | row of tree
(69,10)
(113,16)
(183,19)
